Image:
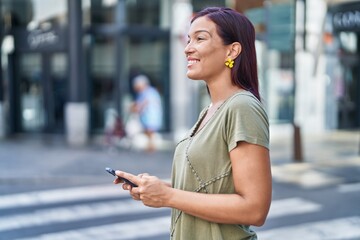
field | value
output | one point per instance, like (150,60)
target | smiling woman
(221,177)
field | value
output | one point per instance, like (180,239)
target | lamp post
(298,44)
(77,109)
(2,124)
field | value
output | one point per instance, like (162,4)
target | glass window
(200,4)
(31,93)
(154,13)
(140,54)
(35,13)
(149,56)
(102,78)
(58,78)
(103,11)
(86,13)
(143,12)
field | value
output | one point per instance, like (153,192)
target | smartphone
(112,172)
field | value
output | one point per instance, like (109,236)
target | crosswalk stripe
(118,231)
(336,229)
(73,213)
(279,208)
(38,198)
(352,187)
(61,195)
(292,206)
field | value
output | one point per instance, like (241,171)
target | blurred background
(66,72)
(64,60)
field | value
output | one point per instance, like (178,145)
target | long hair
(233,27)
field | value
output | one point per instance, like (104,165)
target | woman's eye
(197,39)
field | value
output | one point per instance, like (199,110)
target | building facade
(344,21)
(308,62)
(65,62)
(60,52)
(67,65)
(328,67)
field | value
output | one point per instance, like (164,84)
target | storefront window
(140,55)
(143,12)
(86,13)
(31,93)
(154,13)
(349,83)
(103,11)
(200,4)
(102,78)
(149,56)
(33,14)
(116,58)
(58,93)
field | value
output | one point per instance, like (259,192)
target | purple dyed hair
(232,27)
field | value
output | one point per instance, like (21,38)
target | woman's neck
(222,91)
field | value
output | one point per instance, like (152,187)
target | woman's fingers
(132,178)
(150,189)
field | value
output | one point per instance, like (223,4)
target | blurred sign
(346,17)
(40,40)
(279,23)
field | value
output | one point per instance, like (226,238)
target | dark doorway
(41,89)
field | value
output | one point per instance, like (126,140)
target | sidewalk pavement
(329,158)
(36,162)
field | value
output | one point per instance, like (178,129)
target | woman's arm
(248,206)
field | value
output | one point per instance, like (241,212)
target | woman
(221,179)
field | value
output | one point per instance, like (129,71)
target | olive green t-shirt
(202,163)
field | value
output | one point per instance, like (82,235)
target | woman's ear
(235,50)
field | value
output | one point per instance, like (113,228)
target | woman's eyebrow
(200,31)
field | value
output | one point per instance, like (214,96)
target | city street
(51,191)
(77,75)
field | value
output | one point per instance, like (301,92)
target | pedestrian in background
(221,177)
(148,105)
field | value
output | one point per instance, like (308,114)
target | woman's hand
(151,190)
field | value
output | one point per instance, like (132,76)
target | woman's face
(205,51)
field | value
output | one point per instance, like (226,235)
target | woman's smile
(192,61)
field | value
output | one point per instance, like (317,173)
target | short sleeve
(246,120)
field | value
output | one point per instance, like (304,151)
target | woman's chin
(193,76)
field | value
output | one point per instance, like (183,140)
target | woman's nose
(188,48)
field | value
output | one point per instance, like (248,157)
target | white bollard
(77,123)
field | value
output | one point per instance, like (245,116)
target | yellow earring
(229,63)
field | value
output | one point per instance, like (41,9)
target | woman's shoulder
(244,99)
